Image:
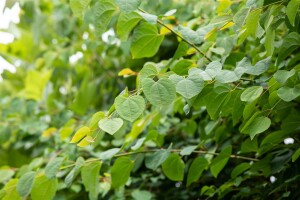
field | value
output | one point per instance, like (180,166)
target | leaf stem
(178,35)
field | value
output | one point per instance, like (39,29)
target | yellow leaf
(210,33)
(127,72)
(85,141)
(171,17)
(227,25)
(49,132)
(164,30)
(82,132)
(191,51)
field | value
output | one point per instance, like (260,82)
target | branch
(155,150)
(178,35)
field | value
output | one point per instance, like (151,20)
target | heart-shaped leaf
(130,108)
(110,125)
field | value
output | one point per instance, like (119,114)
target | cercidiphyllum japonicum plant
(208,122)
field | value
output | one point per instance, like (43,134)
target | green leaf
(256,125)
(103,11)
(291,10)
(190,35)
(213,69)
(237,108)
(146,41)
(282,76)
(148,71)
(220,161)
(126,22)
(130,108)
(141,194)
(10,192)
(80,133)
(159,93)
(181,50)
(290,43)
(259,68)
(106,155)
(251,93)
(197,167)
(90,178)
(239,169)
(128,5)
(152,19)
(25,184)
(74,172)
(240,17)
(78,7)
(156,159)
(182,66)
(188,150)
(190,86)
(110,125)
(252,21)
(52,167)
(296,155)
(227,76)
(288,94)
(120,171)
(44,188)
(173,167)
(215,102)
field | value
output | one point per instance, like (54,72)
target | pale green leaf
(110,125)
(173,167)
(190,35)
(282,76)
(288,94)
(52,167)
(152,19)
(190,87)
(259,68)
(130,108)
(128,5)
(120,171)
(252,93)
(198,165)
(44,188)
(141,194)
(188,150)
(95,120)
(159,93)
(10,191)
(25,184)
(220,161)
(146,41)
(252,21)
(154,160)
(74,172)
(79,6)
(106,155)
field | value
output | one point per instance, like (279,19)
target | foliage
(178,100)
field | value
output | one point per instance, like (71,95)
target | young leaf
(25,184)
(128,5)
(198,165)
(126,22)
(80,133)
(130,108)
(95,119)
(296,155)
(251,93)
(79,6)
(159,93)
(146,41)
(220,161)
(155,160)
(44,188)
(90,178)
(52,167)
(120,171)
(74,172)
(173,167)
(9,191)
(110,125)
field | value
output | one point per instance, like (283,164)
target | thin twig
(178,35)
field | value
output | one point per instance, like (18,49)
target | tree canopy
(166,99)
